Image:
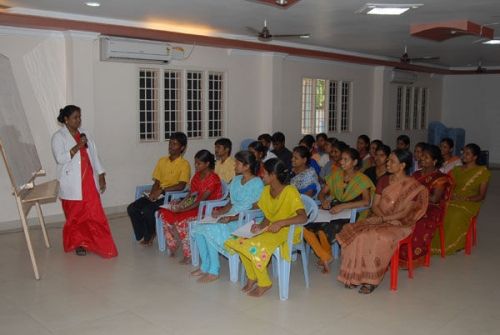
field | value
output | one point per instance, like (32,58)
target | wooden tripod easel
(25,199)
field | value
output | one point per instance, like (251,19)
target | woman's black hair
(248,158)
(308,140)
(303,152)
(448,141)
(385,148)
(67,111)
(435,153)
(404,156)
(476,151)
(259,147)
(206,157)
(421,145)
(279,169)
(340,145)
(365,139)
(354,154)
(378,143)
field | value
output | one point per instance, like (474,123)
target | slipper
(367,289)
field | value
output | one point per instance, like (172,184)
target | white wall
(473,102)
(263,95)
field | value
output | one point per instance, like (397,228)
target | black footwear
(367,289)
(80,251)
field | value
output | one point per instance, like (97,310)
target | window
(411,108)
(148,105)
(172,102)
(321,103)
(191,101)
(215,104)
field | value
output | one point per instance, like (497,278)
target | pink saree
(368,245)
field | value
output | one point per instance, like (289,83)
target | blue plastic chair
(245,143)
(160,234)
(282,267)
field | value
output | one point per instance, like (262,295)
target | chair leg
(160,234)
(394,269)
(195,255)
(410,258)
(284,280)
(234,263)
(474,232)
(442,241)
(468,241)
(305,264)
(427,262)
(336,250)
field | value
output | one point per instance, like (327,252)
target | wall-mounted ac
(143,51)
(403,77)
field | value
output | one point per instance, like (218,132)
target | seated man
(224,165)
(266,139)
(172,173)
(280,150)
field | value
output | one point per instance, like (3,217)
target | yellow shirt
(283,207)
(170,173)
(225,170)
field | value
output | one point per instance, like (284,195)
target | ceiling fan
(406,59)
(265,35)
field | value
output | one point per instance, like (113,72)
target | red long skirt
(86,223)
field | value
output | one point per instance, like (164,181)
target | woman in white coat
(80,175)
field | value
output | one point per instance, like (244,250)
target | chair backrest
(140,189)
(245,143)
(311,208)
(225,190)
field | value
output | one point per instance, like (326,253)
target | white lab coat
(69,169)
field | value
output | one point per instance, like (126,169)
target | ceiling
(332,24)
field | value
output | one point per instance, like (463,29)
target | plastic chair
(245,143)
(440,227)
(160,233)
(282,266)
(140,189)
(471,237)
(395,261)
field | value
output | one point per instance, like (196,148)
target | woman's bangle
(382,219)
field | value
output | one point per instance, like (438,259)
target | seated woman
(363,147)
(471,183)
(308,142)
(205,185)
(450,161)
(282,206)
(334,149)
(245,190)
(346,188)
(438,184)
(417,155)
(368,245)
(259,150)
(380,167)
(304,178)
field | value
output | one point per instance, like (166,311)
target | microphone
(83,135)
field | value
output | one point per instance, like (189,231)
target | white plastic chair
(282,267)
(160,234)
(354,213)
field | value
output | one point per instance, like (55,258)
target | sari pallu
(368,245)
(460,212)
(426,226)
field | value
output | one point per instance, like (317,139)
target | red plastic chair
(395,261)
(471,237)
(444,202)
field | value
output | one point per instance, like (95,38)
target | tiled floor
(144,292)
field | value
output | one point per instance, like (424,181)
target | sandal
(80,251)
(367,289)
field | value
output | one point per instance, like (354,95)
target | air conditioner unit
(143,51)
(403,77)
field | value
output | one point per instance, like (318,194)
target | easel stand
(28,197)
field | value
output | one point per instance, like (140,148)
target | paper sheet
(245,231)
(325,216)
